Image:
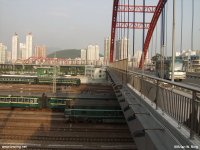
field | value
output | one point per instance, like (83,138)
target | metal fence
(175,99)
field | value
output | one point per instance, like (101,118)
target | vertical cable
(127,46)
(152,47)
(192,32)
(156,40)
(134,28)
(124,34)
(166,12)
(143,34)
(119,41)
(181,43)
(162,40)
(173,39)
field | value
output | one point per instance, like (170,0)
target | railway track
(69,139)
(49,130)
(63,129)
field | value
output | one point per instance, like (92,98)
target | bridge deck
(148,127)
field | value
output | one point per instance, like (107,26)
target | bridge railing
(178,100)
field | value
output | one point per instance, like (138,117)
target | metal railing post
(157,91)
(193,116)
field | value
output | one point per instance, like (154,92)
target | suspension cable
(143,34)
(162,40)
(181,43)
(134,30)
(124,35)
(152,47)
(166,29)
(192,32)
(156,40)
(128,32)
(127,46)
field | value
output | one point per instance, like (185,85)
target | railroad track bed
(66,129)
(66,133)
(43,130)
(48,88)
(32,144)
(71,138)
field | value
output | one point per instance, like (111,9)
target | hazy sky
(56,23)
(77,23)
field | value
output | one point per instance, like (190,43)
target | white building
(121,48)
(8,56)
(188,53)
(95,72)
(3,49)
(118,49)
(107,50)
(29,47)
(83,54)
(124,48)
(22,51)
(136,58)
(92,53)
(15,47)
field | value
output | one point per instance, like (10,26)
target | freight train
(87,110)
(38,80)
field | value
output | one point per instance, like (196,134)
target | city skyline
(74,24)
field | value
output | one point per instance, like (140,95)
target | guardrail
(178,100)
(193,75)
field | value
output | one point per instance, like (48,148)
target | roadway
(192,79)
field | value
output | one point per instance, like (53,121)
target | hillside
(67,53)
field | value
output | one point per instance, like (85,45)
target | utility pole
(173,39)
(54,76)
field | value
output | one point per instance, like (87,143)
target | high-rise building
(92,53)
(118,50)
(83,54)
(8,56)
(29,47)
(40,51)
(121,49)
(106,50)
(15,47)
(124,54)
(22,51)
(3,49)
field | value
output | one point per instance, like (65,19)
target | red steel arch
(151,26)
(159,8)
(113,28)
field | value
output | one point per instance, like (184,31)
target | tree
(156,58)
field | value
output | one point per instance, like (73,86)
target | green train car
(29,102)
(94,115)
(91,110)
(19,102)
(18,79)
(26,79)
(60,81)
(57,103)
